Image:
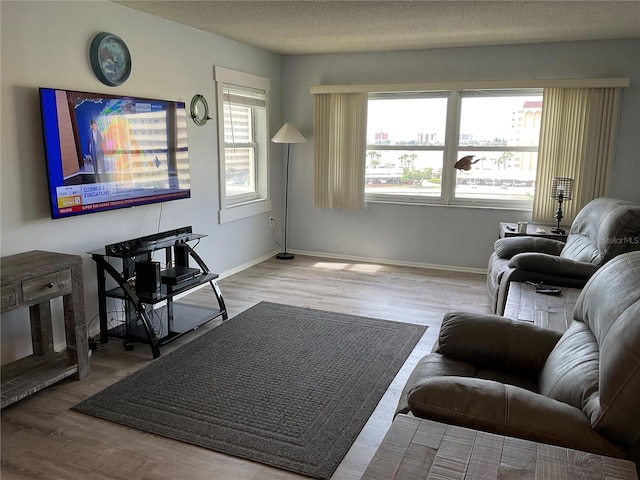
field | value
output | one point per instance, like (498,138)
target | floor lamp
(287,134)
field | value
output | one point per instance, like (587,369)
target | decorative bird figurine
(465,162)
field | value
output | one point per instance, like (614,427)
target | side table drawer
(46,285)
(7,296)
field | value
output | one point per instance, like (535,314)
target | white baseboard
(384,261)
(244,266)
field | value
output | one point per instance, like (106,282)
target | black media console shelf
(152,313)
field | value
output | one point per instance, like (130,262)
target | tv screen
(107,151)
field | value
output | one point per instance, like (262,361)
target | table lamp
(561,190)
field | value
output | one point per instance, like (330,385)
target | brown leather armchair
(603,229)
(579,390)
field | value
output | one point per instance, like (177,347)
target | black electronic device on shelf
(151,242)
(152,312)
(178,275)
(148,280)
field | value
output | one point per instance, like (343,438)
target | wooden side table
(32,280)
(550,311)
(533,230)
(415,448)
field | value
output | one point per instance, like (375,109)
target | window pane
(240,171)
(237,123)
(407,121)
(498,175)
(404,172)
(512,123)
(240,166)
(500,121)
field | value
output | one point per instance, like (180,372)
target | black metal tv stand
(152,313)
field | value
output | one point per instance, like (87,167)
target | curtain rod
(476,84)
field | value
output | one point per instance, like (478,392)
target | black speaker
(148,277)
(181,251)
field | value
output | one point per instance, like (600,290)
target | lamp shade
(562,186)
(288,134)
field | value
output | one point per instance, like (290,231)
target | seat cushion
(437,365)
(506,410)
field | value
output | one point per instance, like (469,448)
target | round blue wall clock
(110,59)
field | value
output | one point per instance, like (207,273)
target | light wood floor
(43,439)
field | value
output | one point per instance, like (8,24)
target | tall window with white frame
(241,145)
(414,139)
(244,146)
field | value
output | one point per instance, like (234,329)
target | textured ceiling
(314,26)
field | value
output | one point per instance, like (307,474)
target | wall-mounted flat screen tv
(107,151)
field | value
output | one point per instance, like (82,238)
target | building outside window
(414,140)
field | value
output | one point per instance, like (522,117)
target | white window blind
(340,130)
(579,130)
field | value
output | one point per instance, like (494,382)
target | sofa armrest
(507,410)
(510,246)
(553,265)
(495,342)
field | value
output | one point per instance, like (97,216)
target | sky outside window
(407,121)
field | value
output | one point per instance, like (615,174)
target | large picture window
(414,140)
(512,138)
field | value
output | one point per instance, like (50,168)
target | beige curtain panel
(340,131)
(578,134)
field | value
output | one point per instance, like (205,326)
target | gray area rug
(287,386)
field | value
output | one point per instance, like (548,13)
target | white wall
(436,235)
(46,44)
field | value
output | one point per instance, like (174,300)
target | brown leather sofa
(580,389)
(603,229)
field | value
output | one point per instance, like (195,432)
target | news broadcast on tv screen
(106,152)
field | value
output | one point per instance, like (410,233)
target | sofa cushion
(506,410)
(570,374)
(581,249)
(437,365)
